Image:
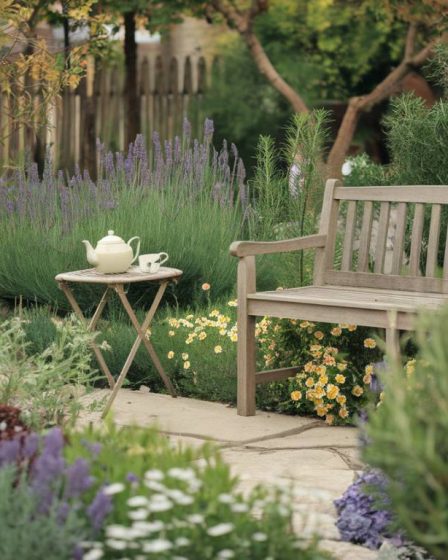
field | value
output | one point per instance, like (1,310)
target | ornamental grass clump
(408,438)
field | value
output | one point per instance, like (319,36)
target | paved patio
(273,449)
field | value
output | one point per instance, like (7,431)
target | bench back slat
(397,257)
(347,252)
(389,237)
(380,250)
(416,239)
(433,244)
(364,240)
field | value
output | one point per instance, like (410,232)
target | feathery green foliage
(408,438)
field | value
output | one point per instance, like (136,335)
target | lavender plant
(183,197)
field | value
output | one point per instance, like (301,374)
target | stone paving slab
(306,457)
(201,419)
(325,436)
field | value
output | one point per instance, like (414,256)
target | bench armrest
(250,248)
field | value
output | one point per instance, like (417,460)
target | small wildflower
(336,331)
(309,382)
(171,333)
(296,395)
(187,365)
(343,412)
(202,335)
(205,287)
(340,378)
(332,391)
(319,335)
(170,355)
(369,343)
(357,391)
(218,349)
(232,303)
(185,356)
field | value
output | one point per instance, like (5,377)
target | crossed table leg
(141,330)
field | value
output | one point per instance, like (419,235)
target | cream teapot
(112,255)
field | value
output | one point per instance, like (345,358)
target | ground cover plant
(159,500)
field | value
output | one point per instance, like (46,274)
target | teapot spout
(91,255)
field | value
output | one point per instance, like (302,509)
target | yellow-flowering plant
(335,364)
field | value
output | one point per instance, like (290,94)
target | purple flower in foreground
(78,478)
(99,509)
(9,452)
(363,515)
(131,477)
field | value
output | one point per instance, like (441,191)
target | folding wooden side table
(115,283)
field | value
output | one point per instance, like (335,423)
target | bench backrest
(384,237)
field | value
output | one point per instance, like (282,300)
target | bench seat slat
(334,296)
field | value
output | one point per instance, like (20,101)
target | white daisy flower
(157,545)
(220,529)
(112,489)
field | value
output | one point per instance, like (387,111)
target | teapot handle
(137,252)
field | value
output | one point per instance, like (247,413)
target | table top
(134,274)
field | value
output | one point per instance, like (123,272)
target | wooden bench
(352,288)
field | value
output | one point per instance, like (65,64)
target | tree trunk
(266,67)
(131,80)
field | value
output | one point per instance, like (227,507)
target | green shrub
(408,438)
(179,501)
(47,385)
(335,366)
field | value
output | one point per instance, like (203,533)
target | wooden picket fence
(169,90)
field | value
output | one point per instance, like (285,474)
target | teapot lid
(110,239)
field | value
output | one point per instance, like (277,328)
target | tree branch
(380,92)
(244,25)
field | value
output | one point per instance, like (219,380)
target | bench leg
(246,366)
(393,344)
(246,339)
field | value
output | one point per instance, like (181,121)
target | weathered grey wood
(383,225)
(387,281)
(328,227)
(416,193)
(433,240)
(397,256)
(311,312)
(373,299)
(350,223)
(445,258)
(275,374)
(364,240)
(98,355)
(246,345)
(246,248)
(416,239)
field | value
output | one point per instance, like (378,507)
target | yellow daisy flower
(184,356)
(343,412)
(336,331)
(369,343)
(332,391)
(296,395)
(309,382)
(171,333)
(205,286)
(170,355)
(319,335)
(357,391)
(218,349)
(341,399)
(340,378)
(186,365)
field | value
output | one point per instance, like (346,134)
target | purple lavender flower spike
(177,150)
(186,131)
(99,509)
(9,452)
(78,479)
(30,445)
(62,513)
(131,477)
(93,448)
